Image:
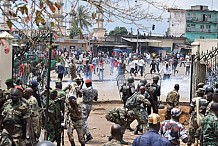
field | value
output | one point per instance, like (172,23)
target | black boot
(109,138)
(88,138)
(124,142)
(72,143)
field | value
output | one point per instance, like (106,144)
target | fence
(204,69)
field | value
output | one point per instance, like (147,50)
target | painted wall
(204,45)
(5,62)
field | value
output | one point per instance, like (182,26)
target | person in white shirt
(167,71)
(133,65)
(141,64)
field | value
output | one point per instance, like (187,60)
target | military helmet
(143,81)
(140,84)
(209,89)
(200,90)
(200,85)
(175,112)
(45,143)
(155,78)
(130,79)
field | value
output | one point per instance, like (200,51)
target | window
(207,26)
(188,25)
(202,26)
(201,37)
(193,25)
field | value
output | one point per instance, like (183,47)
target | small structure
(6,54)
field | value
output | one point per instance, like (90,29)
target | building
(196,23)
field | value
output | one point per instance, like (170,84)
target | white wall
(177,23)
(5,64)
(205,44)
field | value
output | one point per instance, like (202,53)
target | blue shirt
(151,138)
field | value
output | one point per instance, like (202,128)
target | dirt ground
(100,127)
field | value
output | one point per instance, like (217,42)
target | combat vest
(171,97)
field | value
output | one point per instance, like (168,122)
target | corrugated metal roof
(133,40)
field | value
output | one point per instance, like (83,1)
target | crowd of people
(27,110)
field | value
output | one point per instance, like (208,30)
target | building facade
(200,23)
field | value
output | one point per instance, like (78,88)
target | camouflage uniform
(51,121)
(113,142)
(18,112)
(120,116)
(210,130)
(140,114)
(89,94)
(74,121)
(172,101)
(5,139)
(35,118)
(195,119)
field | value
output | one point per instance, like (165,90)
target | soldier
(34,108)
(53,131)
(154,91)
(126,92)
(36,94)
(74,87)
(210,127)
(120,116)
(208,89)
(197,110)
(130,83)
(5,135)
(140,113)
(10,85)
(89,94)
(18,109)
(213,99)
(75,122)
(172,101)
(117,136)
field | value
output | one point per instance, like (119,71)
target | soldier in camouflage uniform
(210,127)
(18,109)
(89,94)
(54,125)
(117,136)
(122,117)
(5,135)
(140,113)
(74,112)
(197,110)
(34,108)
(172,101)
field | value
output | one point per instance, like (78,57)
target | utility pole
(137,44)
(48,84)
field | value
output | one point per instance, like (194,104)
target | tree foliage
(119,31)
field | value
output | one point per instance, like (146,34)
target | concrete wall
(177,23)
(204,45)
(5,63)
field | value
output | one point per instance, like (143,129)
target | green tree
(81,21)
(119,31)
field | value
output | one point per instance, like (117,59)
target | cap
(34,83)
(175,112)
(88,81)
(71,98)
(200,85)
(9,81)
(153,118)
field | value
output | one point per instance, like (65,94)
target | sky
(161,26)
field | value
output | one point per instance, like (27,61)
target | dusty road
(109,98)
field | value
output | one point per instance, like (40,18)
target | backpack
(131,101)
